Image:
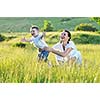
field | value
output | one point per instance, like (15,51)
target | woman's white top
(73,53)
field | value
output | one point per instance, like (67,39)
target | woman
(66,50)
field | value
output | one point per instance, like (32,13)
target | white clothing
(59,47)
(73,53)
(38,41)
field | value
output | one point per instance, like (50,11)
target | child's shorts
(43,55)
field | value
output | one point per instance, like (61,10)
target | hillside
(22,24)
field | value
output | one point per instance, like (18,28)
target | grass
(19,65)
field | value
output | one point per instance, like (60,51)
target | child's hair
(34,27)
(69,35)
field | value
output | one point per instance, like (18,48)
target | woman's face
(64,37)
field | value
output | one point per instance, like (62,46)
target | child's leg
(39,56)
(43,56)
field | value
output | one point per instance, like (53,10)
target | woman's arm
(63,54)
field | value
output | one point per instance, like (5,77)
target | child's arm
(25,40)
(43,35)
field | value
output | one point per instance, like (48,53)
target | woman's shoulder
(57,45)
(71,42)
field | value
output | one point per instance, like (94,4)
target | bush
(19,44)
(47,26)
(2,38)
(10,37)
(84,38)
(85,27)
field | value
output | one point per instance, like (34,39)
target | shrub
(47,26)
(84,38)
(85,27)
(2,38)
(19,44)
(10,37)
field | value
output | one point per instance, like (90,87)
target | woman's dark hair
(69,35)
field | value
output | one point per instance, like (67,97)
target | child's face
(34,32)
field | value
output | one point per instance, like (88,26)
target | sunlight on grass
(19,65)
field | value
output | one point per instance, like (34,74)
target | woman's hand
(47,49)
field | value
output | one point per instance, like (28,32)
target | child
(38,41)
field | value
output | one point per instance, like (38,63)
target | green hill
(22,24)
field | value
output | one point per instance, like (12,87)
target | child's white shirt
(38,41)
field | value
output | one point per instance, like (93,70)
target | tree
(97,19)
(47,26)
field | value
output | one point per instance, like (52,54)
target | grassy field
(22,24)
(19,65)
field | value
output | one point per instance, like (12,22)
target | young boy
(38,41)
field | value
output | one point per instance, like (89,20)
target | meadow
(20,65)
